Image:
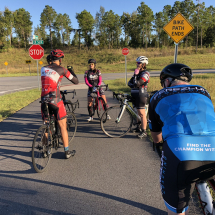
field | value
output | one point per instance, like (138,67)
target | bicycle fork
(120,114)
(207,203)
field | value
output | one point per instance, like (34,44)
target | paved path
(106,176)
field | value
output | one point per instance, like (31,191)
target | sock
(66,148)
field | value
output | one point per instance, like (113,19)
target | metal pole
(29,69)
(38,76)
(125,72)
(176,52)
(6,70)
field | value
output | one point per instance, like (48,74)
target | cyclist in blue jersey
(182,115)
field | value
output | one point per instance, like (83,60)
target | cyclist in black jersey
(138,84)
(182,115)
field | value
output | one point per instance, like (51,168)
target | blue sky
(71,7)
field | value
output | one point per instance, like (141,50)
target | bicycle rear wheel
(110,124)
(41,149)
(101,107)
(71,125)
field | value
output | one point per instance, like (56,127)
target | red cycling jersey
(51,76)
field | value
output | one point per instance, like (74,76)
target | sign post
(36,52)
(28,62)
(125,51)
(178,28)
(6,63)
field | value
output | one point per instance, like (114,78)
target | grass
(11,103)
(109,60)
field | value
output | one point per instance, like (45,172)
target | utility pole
(197,37)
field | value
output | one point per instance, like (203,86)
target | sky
(71,7)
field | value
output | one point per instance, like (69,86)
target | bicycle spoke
(71,125)
(41,149)
(113,127)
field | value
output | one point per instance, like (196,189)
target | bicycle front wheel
(112,126)
(41,149)
(101,107)
(71,125)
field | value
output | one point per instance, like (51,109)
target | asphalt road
(106,176)
(12,84)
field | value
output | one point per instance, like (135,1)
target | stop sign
(125,51)
(36,52)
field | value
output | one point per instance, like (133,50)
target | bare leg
(64,133)
(142,114)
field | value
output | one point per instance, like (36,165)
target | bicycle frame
(124,106)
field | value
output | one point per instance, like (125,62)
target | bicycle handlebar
(104,85)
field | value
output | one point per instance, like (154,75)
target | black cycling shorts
(59,110)
(90,94)
(139,99)
(177,179)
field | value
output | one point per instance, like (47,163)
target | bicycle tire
(101,107)
(71,125)
(41,154)
(111,127)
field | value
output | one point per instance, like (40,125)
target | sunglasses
(138,62)
(91,64)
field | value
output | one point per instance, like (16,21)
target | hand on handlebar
(94,90)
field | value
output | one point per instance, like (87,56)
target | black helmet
(49,58)
(92,61)
(176,71)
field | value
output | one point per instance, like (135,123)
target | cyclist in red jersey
(93,78)
(51,76)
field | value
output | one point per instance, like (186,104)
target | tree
(63,24)
(22,25)
(9,22)
(86,23)
(158,25)
(125,25)
(2,30)
(145,19)
(47,19)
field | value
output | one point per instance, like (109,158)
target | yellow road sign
(178,28)
(6,63)
(41,62)
(28,61)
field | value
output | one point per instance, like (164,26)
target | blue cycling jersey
(185,115)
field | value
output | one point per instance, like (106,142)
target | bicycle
(47,137)
(99,104)
(202,188)
(120,118)
(70,106)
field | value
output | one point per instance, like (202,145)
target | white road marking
(16,89)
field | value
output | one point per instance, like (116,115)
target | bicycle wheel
(110,124)
(101,107)
(41,149)
(71,125)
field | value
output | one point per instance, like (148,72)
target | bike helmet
(92,61)
(49,58)
(177,71)
(142,59)
(57,54)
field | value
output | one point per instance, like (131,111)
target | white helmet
(142,59)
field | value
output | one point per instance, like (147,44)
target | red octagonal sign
(125,51)
(36,52)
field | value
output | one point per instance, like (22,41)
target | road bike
(204,189)
(120,118)
(48,137)
(70,106)
(98,102)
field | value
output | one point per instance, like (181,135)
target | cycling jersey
(51,76)
(93,78)
(185,116)
(138,84)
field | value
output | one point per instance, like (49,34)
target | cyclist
(183,116)
(93,78)
(138,84)
(51,76)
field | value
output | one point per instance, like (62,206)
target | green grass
(11,103)
(109,60)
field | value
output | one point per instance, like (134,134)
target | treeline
(142,28)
